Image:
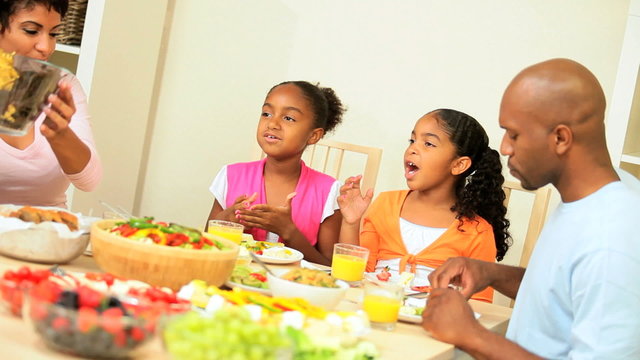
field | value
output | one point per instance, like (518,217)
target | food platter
(280,255)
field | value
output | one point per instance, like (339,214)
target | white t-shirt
(219,190)
(415,238)
(580,295)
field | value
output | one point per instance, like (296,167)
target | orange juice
(347,267)
(234,235)
(381,309)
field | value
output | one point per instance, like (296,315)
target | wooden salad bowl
(160,265)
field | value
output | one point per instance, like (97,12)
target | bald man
(580,295)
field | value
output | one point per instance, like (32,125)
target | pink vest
(306,208)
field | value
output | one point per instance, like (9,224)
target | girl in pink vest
(279,198)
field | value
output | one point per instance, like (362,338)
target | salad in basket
(148,231)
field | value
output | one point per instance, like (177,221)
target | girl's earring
(469,177)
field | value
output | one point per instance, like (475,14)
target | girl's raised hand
(275,219)
(351,201)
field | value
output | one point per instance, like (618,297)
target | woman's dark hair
(479,189)
(9,7)
(326,105)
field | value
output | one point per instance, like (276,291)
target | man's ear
(563,139)
(316,135)
(460,165)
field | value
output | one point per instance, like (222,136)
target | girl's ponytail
(482,194)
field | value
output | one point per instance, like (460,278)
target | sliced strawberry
(88,297)
(120,339)
(137,334)
(384,275)
(108,278)
(60,323)
(111,320)
(87,318)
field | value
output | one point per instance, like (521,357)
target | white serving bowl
(42,246)
(46,242)
(327,298)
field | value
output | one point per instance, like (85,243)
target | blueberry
(68,299)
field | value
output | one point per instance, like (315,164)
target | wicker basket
(159,265)
(73,23)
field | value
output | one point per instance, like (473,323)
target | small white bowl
(327,298)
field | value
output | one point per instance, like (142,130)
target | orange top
(380,233)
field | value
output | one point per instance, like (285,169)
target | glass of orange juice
(349,262)
(382,301)
(226,229)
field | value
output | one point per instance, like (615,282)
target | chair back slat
(338,149)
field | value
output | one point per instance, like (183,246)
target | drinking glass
(227,229)
(349,262)
(25,84)
(382,301)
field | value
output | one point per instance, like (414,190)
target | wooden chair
(332,157)
(517,214)
(536,218)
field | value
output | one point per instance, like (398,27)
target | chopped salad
(148,231)
(311,277)
(250,277)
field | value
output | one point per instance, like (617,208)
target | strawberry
(137,334)
(10,275)
(87,318)
(93,276)
(24,273)
(38,311)
(108,279)
(47,291)
(384,275)
(120,339)
(60,323)
(40,275)
(112,320)
(88,297)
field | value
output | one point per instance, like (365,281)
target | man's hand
(448,317)
(469,275)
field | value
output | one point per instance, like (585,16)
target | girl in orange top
(454,205)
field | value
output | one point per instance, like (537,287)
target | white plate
(417,303)
(295,257)
(393,279)
(247,287)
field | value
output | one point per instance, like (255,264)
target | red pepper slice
(258,277)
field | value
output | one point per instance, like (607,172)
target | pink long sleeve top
(33,176)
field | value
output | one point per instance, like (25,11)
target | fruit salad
(98,315)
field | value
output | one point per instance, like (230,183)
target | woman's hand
(275,219)
(351,201)
(59,113)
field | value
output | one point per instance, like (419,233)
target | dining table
(407,341)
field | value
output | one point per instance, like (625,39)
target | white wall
(389,61)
